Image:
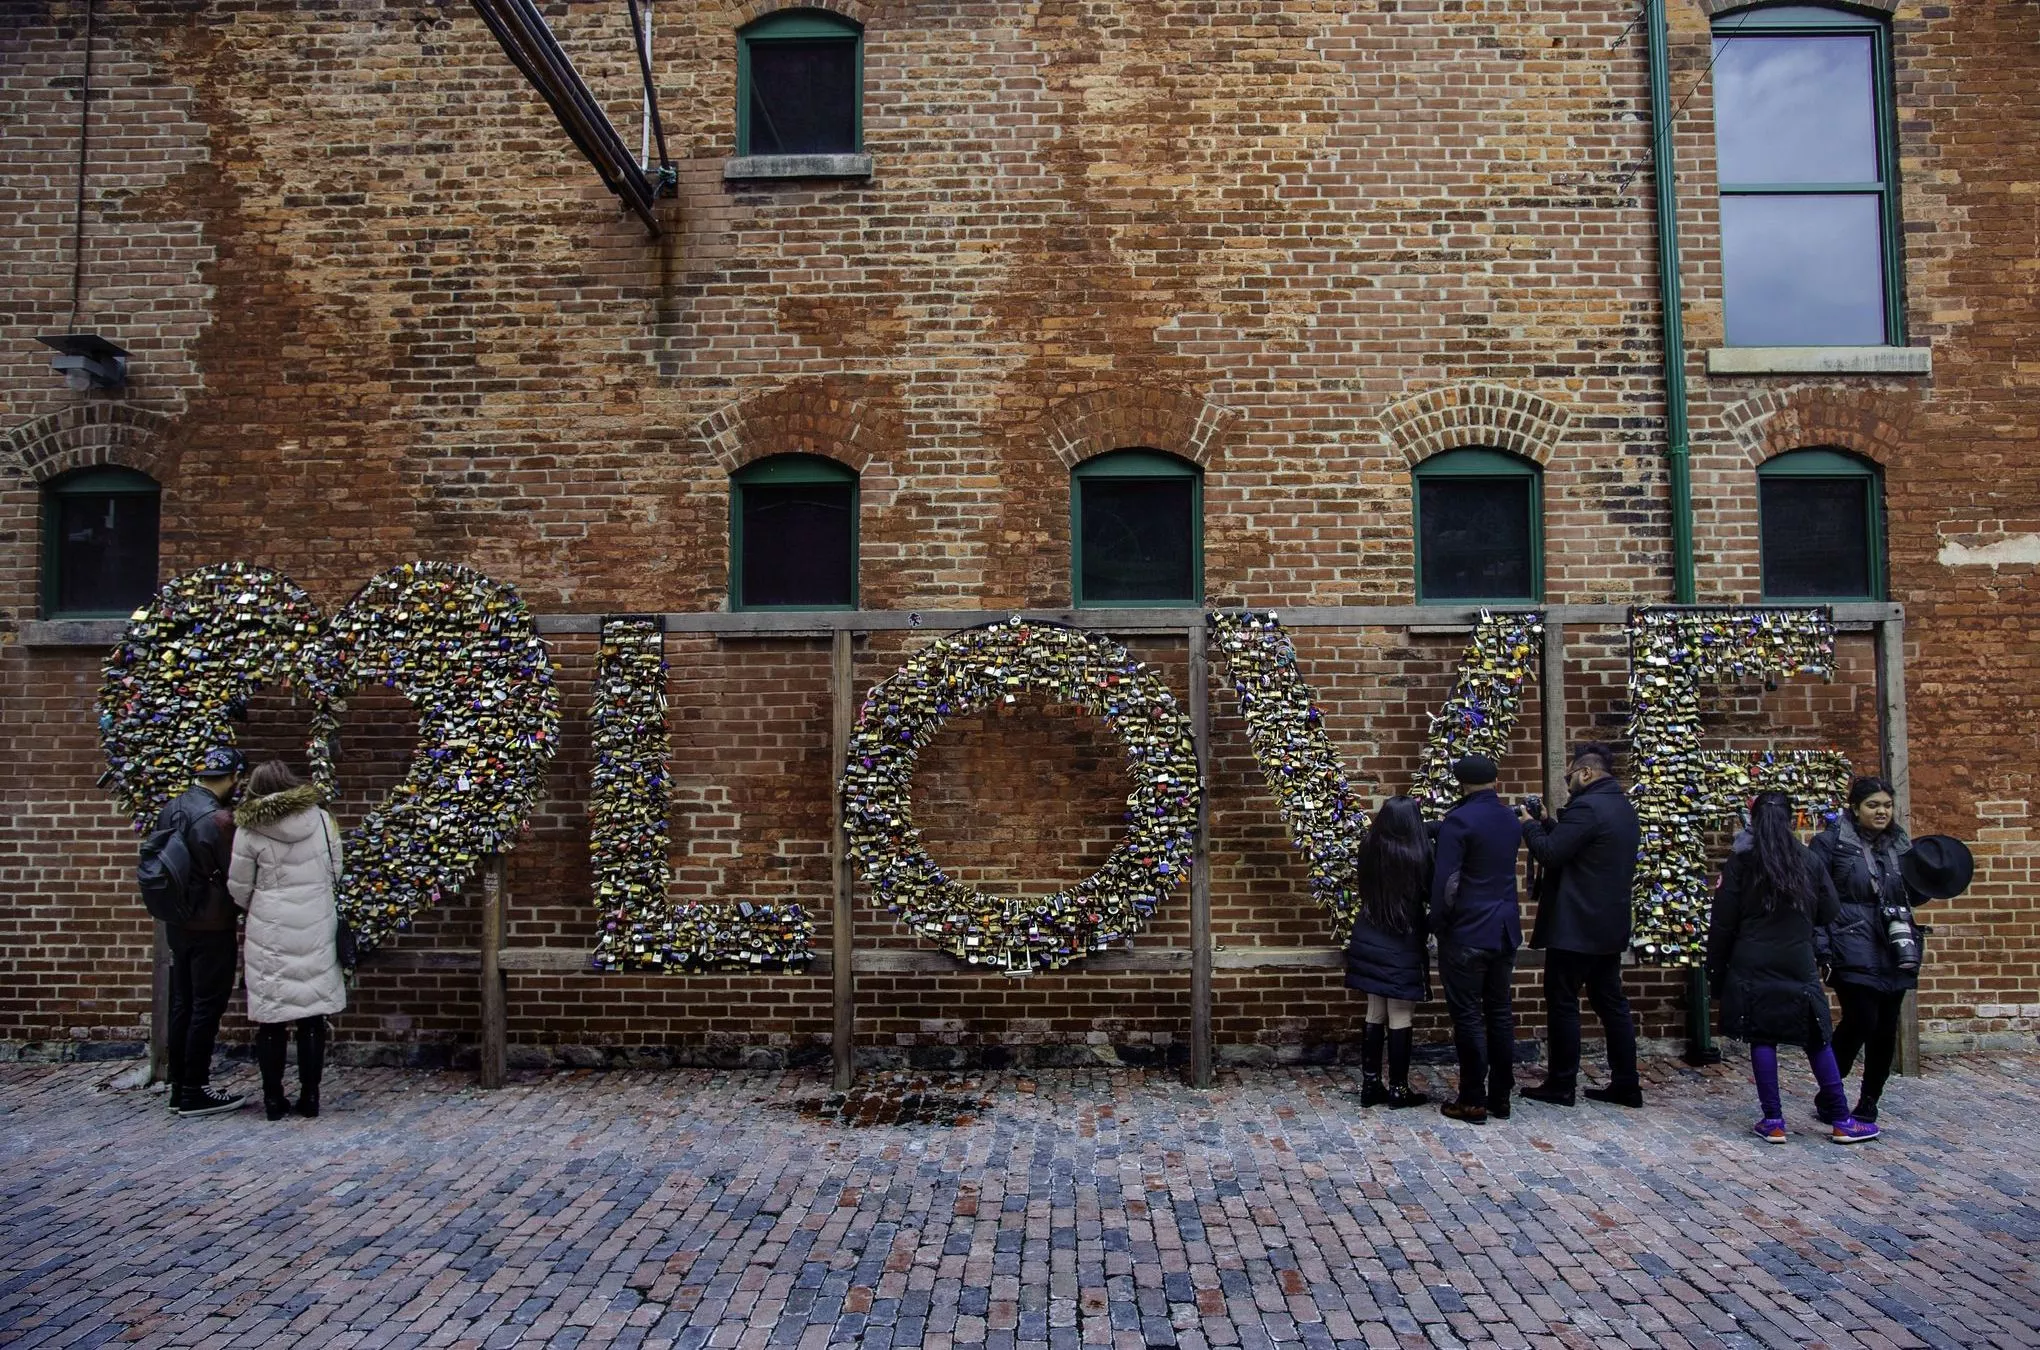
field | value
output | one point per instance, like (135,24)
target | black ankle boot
(271,1044)
(1373,1092)
(311,1052)
(1399,1093)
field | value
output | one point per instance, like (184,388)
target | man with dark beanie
(1589,857)
(1475,914)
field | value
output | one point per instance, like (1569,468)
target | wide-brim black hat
(1938,867)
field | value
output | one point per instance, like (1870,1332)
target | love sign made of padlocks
(465,651)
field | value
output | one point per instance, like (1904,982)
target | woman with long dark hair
(1773,895)
(1872,949)
(1385,955)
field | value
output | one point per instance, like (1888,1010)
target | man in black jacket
(1474,912)
(203,952)
(1589,858)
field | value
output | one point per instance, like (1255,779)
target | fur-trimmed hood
(287,815)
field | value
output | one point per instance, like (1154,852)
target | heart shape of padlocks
(463,649)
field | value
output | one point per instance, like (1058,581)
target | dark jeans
(1565,973)
(1483,1020)
(201,981)
(1870,1024)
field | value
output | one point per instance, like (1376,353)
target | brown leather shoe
(1460,1111)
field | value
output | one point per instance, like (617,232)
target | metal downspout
(1699,1030)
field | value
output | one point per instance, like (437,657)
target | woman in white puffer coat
(285,869)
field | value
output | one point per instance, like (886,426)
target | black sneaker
(208,1101)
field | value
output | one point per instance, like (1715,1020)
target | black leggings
(1870,1024)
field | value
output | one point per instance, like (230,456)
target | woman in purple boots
(1773,895)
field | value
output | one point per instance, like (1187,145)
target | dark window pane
(1816,537)
(1139,537)
(803,98)
(1795,110)
(1475,540)
(1803,271)
(799,544)
(105,551)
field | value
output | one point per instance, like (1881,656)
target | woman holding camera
(1386,955)
(1871,952)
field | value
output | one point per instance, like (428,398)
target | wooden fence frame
(1203,956)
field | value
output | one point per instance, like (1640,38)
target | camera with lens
(1898,934)
(1534,804)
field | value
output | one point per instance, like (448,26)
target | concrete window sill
(72,632)
(1820,361)
(750,168)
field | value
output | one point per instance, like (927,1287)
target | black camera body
(1534,804)
(1899,934)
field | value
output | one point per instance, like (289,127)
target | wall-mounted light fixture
(88,360)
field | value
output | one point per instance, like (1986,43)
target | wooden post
(159,1005)
(1551,689)
(843,918)
(1200,866)
(494,1032)
(1891,747)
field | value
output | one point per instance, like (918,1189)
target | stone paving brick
(1083,1209)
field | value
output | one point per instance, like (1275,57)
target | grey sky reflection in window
(1803,270)
(1795,110)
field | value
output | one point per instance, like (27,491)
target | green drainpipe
(1699,1033)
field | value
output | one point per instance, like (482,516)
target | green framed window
(1805,141)
(1137,517)
(793,534)
(1480,527)
(800,85)
(1820,521)
(100,532)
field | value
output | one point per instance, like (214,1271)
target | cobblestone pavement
(1112,1207)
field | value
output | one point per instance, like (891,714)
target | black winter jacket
(1763,964)
(1473,882)
(1853,947)
(1590,857)
(1393,965)
(209,834)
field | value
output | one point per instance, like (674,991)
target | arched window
(1480,527)
(1805,148)
(1137,518)
(800,85)
(100,535)
(793,534)
(1820,517)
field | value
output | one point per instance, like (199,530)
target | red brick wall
(380,310)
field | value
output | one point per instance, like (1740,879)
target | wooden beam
(843,918)
(159,1005)
(1551,702)
(1201,1048)
(495,1050)
(1891,746)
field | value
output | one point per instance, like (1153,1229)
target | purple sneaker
(1849,1130)
(1771,1130)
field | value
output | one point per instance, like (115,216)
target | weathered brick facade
(380,310)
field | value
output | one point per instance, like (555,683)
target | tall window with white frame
(100,537)
(1805,148)
(800,85)
(1137,519)
(1820,520)
(1479,526)
(793,534)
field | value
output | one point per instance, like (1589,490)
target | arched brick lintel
(751,11)
(807,417)
(1714,7)
(88,434)
(1873,423)
(1158,417)
(1472,412)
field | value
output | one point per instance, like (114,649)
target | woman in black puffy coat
(1869,972)
(1386,954)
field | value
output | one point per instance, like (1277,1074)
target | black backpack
(164,874)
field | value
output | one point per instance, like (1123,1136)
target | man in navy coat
(1474,912)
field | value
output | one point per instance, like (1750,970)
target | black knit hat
(1474,770)
(1937,867)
